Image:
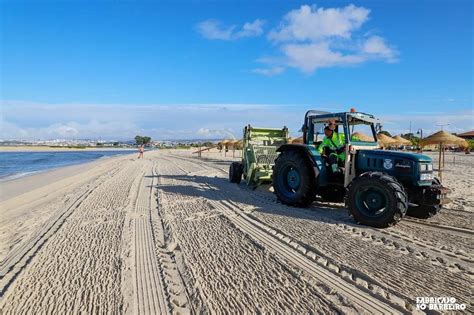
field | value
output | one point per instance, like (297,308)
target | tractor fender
(312,156)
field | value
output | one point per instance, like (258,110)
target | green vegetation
(142,140)
(385,132)
(415,140)
(207,144)
(471,144)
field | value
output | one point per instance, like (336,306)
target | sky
(204,69)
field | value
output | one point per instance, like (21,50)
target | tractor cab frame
(313,135)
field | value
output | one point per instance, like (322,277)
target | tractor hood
(395,154)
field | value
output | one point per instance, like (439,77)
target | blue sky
(197,69)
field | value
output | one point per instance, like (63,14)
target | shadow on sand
(260,201)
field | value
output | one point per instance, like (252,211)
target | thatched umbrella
(362,136)
(224,144)
(402,140)
(296,140)
(442,138)
(386,141)
(235,145)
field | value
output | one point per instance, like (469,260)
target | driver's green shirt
(338,141)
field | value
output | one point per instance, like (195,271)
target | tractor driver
(333,146)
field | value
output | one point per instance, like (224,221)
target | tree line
(142,140)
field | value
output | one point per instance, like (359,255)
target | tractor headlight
(426,176)
(426,167)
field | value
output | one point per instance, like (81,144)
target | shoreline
(39,148)
(19,183)
(13,187)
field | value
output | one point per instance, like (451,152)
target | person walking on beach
(141,150)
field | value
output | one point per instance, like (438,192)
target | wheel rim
(293,179)
(372,201)
(290,180)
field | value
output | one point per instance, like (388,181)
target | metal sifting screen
(265,154)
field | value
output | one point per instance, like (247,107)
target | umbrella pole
(439,163)
(444,156)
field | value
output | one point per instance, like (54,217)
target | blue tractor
(378,186)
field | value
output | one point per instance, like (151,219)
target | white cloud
(252,29)
(92,129)
(269,71)
(376,46)
(63,130)
(309,57)
(217,133)
(312,23)
(430,122)
(310,38)
(213,29)
(30,121)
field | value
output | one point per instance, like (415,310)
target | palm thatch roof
(296,140)
(362,136)
(386,140)
(402,140)
(225,142)
(444,138)
(235,144)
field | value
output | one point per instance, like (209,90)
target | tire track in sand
(361,299)
(300,257)
(440,227)
(150,294)
(228,269)
(454,261)
(427,253)
(21,255)
(79,269)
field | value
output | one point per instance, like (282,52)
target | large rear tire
(235,172)
(376,199)
(294,181)
(423,211)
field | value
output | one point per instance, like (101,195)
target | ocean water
(18,164)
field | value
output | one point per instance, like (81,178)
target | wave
(9,177)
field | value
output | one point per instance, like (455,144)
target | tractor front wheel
(294,181)
(376,199)
(235,172)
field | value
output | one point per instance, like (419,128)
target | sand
(170,234)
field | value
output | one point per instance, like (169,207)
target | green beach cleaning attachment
(259,152)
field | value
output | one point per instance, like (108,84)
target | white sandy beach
(170,234)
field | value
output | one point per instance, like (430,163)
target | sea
(19,164)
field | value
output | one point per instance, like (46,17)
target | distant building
(467,135)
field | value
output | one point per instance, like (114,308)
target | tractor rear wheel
(376,199)
(423,211)
(294,181)
(235,172)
